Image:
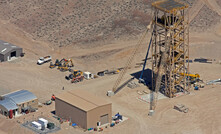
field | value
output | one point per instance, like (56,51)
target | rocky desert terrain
(100,35)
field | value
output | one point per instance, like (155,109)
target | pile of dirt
(65,22)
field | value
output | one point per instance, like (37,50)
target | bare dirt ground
(203,117)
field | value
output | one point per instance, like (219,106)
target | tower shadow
(147,77)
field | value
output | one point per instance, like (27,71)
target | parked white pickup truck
(43,60)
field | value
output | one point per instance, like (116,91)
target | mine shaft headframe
(171,31)
(169,6)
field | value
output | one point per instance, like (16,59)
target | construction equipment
(69,63)
(63,68)
(77,79)
(51,65)
(192,77)
(74,74)
(57,62)
(61,62)
(77,73)
(65,64)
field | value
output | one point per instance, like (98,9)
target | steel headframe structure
(170,47)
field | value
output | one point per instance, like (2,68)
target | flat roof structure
(83,108)
(82,99)
(169,6)
(6,47)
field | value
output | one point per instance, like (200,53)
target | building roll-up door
(104,119)
(13,54)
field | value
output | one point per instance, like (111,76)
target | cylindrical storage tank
(10,114)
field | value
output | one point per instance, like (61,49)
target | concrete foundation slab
(146,97)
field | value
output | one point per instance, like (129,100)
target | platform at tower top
(169,6)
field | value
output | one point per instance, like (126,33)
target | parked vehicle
(43,60)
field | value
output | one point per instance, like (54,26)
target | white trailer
(43,122)
(43,60)
(36,125)
(88,75)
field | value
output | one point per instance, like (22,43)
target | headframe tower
(170,47)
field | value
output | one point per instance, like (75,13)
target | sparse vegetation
(66,22)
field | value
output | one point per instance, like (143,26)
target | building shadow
(53,112)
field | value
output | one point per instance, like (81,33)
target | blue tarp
(74,124)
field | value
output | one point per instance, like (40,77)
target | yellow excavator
(192,77)
(51,65)
(57,63)
(74,74)
(65,65)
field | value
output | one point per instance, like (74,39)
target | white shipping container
(88,75)
(36,125)
(43,122)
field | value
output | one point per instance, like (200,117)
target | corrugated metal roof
(8,104)
(5,47)
(82,99)
(21,96)
(168,5)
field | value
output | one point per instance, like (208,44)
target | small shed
(83,108)
(8,50)
(18,101)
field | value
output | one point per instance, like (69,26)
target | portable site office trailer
(88,75)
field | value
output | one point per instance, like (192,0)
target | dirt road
(204,105)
